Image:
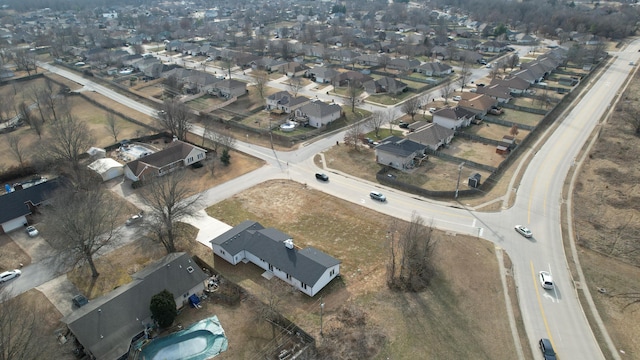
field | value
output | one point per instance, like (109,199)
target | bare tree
(494,72)
(631,116)
(22,334)
(464,74)
(295,84)
(69,139)
(261,78)
(410,266)
(353,135)
(175,117)
(353,91)
(383,61)
(172,86)
(112,126)
(25,60)
(16,148)
(513,61)
(32,121)
(7,107)
(514,130)
(411,106)
(377,120)
(49,98)
(81,222)
(223,138)
(169,199)
(446,89)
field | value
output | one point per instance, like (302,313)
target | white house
(308,270)
(178,154)
(107,168)
(22,201)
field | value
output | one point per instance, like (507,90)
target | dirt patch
(607,223)
(481,153)
(462,304)
(11,255)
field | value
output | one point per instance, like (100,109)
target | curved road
(555,314)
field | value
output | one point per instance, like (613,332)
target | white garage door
(14,224)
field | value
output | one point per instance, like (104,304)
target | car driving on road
(375,195)
(524,231)
(9,275)
(546,281)
(322,176)
(547,349)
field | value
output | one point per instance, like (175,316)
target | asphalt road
(555,314)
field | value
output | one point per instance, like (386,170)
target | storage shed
(107,168)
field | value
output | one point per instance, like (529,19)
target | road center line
(544,317)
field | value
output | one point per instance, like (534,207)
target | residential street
(554,314)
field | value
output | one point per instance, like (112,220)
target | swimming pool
(202,340)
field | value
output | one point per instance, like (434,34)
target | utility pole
(458,183)
(321,313)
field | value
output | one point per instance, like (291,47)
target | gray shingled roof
(306,265)
(399,146)
(107,324)
(175,151)
(14,204)
(431,134)
(319,109)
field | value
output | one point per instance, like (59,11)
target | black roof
(15,203)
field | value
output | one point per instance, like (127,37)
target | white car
(32,231)
(376,195)
(546,281)
(524,231)
(457,98)
(8,275)
(134,219)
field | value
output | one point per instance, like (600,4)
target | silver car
(9,275)
(375,195)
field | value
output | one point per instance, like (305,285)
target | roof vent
(190,269)
(288,243)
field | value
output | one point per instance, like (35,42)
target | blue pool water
(201,341)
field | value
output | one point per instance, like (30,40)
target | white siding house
(308,270)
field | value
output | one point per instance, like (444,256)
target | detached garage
(107,168)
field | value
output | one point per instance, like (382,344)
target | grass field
(459,316)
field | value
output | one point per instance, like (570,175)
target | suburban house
(178,154)
(496,91)
(492,46)
(403,64)
(516,85)
(386,84)
(453,118)
(106,326)
(107,168)
(434,69)
(351,77)
(308,270)
(432,135)
(479,104)
(529,75)
(292,69)
(229,88)
(322,75)
(319,113)
(284,102)
(22,200)
(399,153)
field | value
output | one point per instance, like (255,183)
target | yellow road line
(544,318)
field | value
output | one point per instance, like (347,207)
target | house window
(288,277)
(332,272)
(303,285)
(200,156)
(271,268)
(190,159)
(222,252)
